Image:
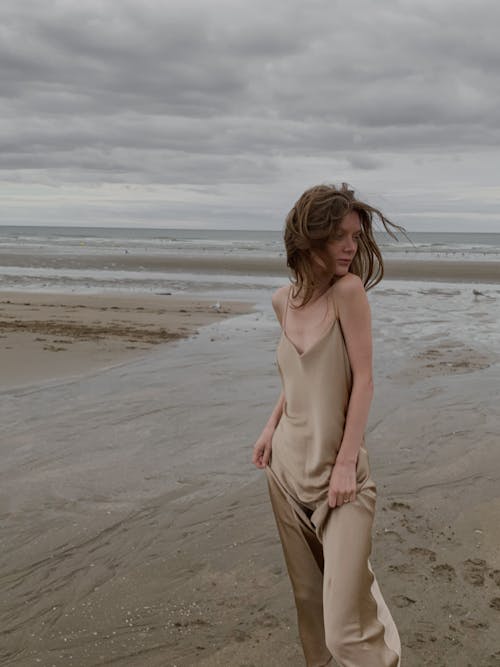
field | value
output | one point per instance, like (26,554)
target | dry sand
(45,336)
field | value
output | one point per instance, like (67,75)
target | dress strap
(334,303)
(286,308)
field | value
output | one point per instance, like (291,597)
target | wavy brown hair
(314,220)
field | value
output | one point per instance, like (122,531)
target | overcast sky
(215,113)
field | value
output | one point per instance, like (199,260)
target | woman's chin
(342,269)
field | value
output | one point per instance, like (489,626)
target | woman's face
(342,248)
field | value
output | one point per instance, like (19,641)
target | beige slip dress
(340,610)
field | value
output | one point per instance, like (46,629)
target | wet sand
(135,530)
(396,269)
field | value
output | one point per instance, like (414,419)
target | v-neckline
(301,355)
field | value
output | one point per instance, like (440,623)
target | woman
(312,447)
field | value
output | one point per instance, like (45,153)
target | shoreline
(395,269)
(48,335)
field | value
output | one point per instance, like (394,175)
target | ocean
(425,245)
(186,260)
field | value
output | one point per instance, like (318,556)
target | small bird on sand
(216,306)
(476,292)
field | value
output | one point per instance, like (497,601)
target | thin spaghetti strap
(286,308)
(334,303)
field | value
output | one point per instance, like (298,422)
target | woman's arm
(262,448)
(273,420)
(355,318)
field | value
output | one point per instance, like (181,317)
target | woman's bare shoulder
(348,282)
(351,298)
(348,286)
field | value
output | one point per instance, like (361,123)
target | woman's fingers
(266,455)
(338,498)
(261,455)
(342,488)
(256,456)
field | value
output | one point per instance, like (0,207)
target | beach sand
(395,269)
(47,335)
(136,532)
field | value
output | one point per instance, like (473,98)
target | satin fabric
(341,612)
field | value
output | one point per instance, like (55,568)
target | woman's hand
(342,483)
(262,448)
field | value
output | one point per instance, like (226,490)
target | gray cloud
(215,94)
